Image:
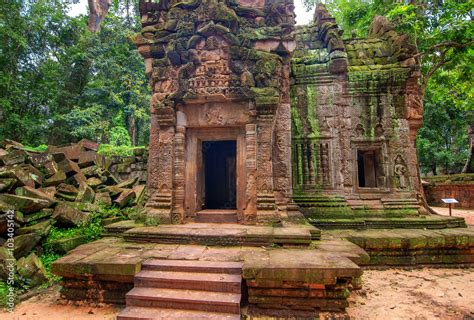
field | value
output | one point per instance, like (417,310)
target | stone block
(63,246)
(66,214)
(24,204)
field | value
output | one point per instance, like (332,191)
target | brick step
(141,313)
(216,216)
(193,266)
(216,282)
(184,299)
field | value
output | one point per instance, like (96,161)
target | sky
(302,17)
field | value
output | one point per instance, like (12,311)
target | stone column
(250,209)
(282,159)
(177,215)
(266,208)
(161,179)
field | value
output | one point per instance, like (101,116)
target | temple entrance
(219,170)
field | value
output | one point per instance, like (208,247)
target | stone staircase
(184,289)
(216,216)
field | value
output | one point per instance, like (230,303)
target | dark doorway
(369,168)
(219,161)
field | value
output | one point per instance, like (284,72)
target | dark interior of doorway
(219,161)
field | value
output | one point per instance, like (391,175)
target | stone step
(141,313)
(184,300)
(193,266)
(216,282)
(216,216)
(214,234)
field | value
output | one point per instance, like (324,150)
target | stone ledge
(221,235)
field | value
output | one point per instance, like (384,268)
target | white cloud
(302,16)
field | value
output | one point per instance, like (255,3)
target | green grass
(40,148)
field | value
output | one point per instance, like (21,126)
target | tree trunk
(98,11)
(132,129)
(469,166)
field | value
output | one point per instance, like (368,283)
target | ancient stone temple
(256,121)
(262,120)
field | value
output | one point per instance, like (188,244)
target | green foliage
(47,259)
(40,148)
(442,142)
(3,294)
(60,83)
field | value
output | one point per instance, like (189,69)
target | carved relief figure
(400,172)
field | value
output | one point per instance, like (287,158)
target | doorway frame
(194,166)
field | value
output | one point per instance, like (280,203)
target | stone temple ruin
(253,114)
(257,128)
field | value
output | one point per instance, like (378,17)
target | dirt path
(418,294)
(386,295)
(467,214)
(46,307)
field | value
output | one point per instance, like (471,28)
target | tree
(61,83)
(442,142)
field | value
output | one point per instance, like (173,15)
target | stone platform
(275,279)
(364,223)
(225,234)
(412,247)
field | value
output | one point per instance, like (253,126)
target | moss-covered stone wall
(352,96)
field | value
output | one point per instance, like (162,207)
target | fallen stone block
(140,192)
(67,214)
(56,179)
(33,269)
(71,152)
(8,144)
(113,191)
(86,207)
(102,198)
(37,216)
(41,228)
(85,194)
(24,174)
(77,179)
(24,204)
(126,198)
(49,191)
(65,164)
(6,184)
(87,158)
(5,263)
(13,157)
(127,184)
(88,145)
(94,182)
(67,192)
(63,246)
(24,244)
(30,192)
(39,159)
(92,171)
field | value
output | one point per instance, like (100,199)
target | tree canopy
(60,82)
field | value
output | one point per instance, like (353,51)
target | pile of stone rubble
(63,187)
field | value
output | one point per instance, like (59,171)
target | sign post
(449,201)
